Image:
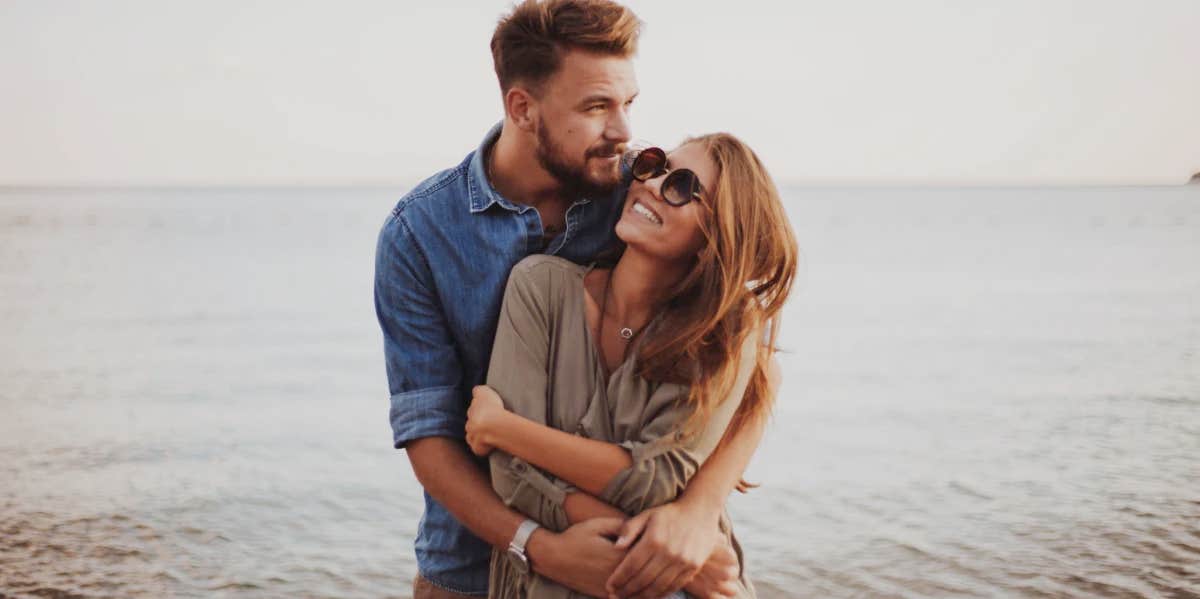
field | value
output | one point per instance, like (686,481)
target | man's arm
(674,541)
(581,558)
(717,578)
(595,465)
(428,412)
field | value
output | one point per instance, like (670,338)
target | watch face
(519,560)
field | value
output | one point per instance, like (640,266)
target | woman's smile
(647,213)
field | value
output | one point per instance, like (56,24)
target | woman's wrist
(495,430)
(703,505)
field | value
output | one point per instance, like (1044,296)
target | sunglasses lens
(648,164)
(680,187)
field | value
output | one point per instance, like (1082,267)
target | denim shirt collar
(483,195)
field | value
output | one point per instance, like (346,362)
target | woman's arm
(586,463)
(580,506)
(652,470)
(720,570)
(519,370)
(683,531)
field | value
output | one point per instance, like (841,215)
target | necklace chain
(625,333)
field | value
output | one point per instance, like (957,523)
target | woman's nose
(654,184)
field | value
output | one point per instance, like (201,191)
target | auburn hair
(735,289)
(528,43)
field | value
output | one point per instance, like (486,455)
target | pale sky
(871,92)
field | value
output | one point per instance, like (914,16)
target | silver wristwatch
(516,547)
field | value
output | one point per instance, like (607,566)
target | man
(547,179)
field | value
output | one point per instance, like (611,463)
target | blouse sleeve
(518,373)
(664,460)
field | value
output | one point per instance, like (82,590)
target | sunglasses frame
(673,177)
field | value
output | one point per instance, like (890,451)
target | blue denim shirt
(441,265)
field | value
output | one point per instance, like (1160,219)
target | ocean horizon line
(405,185)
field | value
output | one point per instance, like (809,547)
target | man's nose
(619,129)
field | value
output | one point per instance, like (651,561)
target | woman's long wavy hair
(735,288)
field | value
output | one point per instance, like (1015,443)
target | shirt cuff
(550,489)
(640,451)
(431,412)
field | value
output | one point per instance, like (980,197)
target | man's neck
(515,172)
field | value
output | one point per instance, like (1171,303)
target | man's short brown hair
(528,44)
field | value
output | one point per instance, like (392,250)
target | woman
(608,388)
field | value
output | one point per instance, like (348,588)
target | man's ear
(521,107)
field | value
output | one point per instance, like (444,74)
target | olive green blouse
(547,369)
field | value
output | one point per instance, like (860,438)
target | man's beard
(573,178)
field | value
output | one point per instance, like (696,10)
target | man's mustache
(607,151)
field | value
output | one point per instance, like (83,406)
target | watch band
(516,547)
(524,531)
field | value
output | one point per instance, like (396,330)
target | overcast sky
(949,92)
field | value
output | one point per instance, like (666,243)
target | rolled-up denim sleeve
(423,367)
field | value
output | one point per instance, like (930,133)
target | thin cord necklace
(626,333)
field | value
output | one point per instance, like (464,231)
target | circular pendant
(627,333)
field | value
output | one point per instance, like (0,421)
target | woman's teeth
(646,213)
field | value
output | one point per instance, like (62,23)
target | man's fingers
(662,588)
(635,561)
(631,530)
(641,581)
(658,588)
(729,588)
(606,527)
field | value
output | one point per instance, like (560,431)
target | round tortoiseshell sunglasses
(681,185)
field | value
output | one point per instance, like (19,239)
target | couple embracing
(579,338)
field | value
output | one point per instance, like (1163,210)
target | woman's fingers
(651,582)
(674,584)
(635,562)
(478,447)
(631,530)
(648,559)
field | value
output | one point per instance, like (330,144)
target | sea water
(987,393)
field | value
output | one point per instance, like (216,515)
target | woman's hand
(483,415)
(670,544)
(718,578)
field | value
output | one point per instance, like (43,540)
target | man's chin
(600,188)
(604,180)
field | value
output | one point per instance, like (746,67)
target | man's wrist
(520,541)
(540,550)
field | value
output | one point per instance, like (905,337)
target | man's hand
(673,542)
(718,579)
(581,557)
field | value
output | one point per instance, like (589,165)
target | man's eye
(596,107)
